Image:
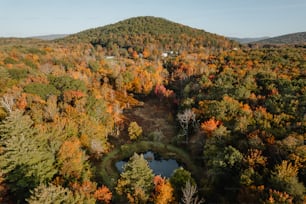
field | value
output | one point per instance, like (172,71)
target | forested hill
(289,39)
(151,33)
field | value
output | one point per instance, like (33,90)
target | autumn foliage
(237,113)
(71,158)
(163,191)
(103,194)
(162,91)
(210,125)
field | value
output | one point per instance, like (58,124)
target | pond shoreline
(108,174)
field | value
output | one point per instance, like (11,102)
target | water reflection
(159,165)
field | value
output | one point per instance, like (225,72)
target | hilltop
(152,33)
(289,39)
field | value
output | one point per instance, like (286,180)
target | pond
(159,165)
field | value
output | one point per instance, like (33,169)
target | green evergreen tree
(136,180)
(25,159)
(179,179)
(50,195)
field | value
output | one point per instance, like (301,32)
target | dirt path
(154,116)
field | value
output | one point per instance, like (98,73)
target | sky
(233,18)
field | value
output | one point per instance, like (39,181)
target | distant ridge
(148,31)
(49,37)
(289,39)
(247,40)
(29,40)
(12,40)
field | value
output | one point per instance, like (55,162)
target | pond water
(159,165)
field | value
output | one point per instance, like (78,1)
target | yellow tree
(284,178)
(134,130)
(163,191)
(71,158)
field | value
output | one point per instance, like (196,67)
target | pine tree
(25,159)
(53,194)
(136,180)
(179,179)
(50,195)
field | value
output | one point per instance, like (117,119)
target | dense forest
(149,34)
(233,116)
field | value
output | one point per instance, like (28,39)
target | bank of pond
(157,163)
(162,158)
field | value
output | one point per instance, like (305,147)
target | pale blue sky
(238,18)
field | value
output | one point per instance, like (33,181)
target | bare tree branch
(185,118)
(7,102)
(189,194)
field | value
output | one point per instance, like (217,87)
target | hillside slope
(152,33)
